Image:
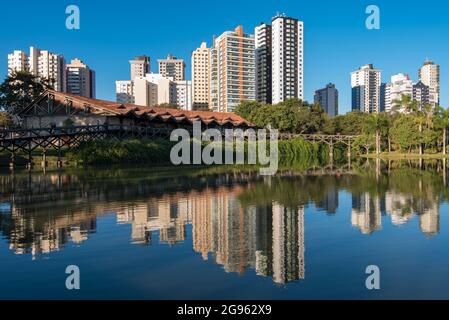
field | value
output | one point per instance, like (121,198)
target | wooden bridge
(27,141)
(330,140)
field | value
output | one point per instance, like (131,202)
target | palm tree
(420,119)
(443,117)
(406,103)
(377,122)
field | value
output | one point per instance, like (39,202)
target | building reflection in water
(367,212)
(268,238)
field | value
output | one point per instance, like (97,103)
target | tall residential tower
(429,74)
(287,59)
(41,63)
(140,66)
(80,79)
(201,60)
(263,63)
(233,70)
(328,99)
(365,84)
(172,67)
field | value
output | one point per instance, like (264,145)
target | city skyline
(319,61)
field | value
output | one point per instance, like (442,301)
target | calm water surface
(213,234)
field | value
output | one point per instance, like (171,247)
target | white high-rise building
(145,92)
(287,59)
(365,84)
(80,79)
(48,65)
(41,63)
(166,89)
(201,61)
(400,85)
(155,90)
(18,62)
(429,74)
(124,90)
(183,91)
(233,70)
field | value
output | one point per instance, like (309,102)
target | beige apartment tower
(172,67)
(140,66)
(232,70)
(201,60)
(429,74)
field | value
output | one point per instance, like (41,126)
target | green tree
(406,103)
(404,132)
(20,89)
(247,109)
(364,141)
(376,123)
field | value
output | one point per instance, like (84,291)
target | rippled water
(219,234)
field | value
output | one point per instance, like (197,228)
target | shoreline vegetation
(292,153)
(409,128)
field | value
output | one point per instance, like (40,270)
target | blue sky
(336,40)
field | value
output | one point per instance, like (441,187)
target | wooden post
(331,153)
(59,162)
(349,154)
(29,165)
(12,160)
(349,150)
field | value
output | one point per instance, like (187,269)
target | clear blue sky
(336,40)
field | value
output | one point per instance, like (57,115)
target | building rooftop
(132,110)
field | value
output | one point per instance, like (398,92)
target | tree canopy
(408,127)
(20,89)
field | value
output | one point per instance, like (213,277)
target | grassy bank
(157,152)
(405,156)
(121,152)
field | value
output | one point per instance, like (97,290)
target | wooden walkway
(27,141)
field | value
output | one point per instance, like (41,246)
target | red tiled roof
(166,114)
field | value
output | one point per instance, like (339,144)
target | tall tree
(20,89)
(442,120)
(376,123)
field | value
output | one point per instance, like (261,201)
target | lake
(227,233)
